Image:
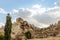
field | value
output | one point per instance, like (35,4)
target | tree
(8,27)
(28,35)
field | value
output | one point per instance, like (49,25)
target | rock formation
(21,26)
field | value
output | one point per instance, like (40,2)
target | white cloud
(39,9)
(28,13)
(22,12)
(55,3)
(54,12)
(49,17)
(1,24)
(38,15)
(3,11)
(52,8)
(36,6)
(36,23)
(14,11)
(58,3)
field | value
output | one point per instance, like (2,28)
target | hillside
(21,26)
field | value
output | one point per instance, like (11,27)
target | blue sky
(15,4)
(32,8)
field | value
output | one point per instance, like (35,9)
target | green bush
(1,36)
(28,35)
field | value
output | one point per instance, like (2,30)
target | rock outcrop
(21,26)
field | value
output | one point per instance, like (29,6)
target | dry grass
(51,38)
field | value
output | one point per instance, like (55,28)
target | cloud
(54,12)
(55,3)
(36,23)
(29,12)
(1,24)
(36,6)
(22,12)
(58,3)
(49,17)
(3,11)
(38,15)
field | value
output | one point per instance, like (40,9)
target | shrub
(1,36)
(28,35)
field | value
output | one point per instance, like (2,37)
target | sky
(41,13)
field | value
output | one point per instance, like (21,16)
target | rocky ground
(50,38)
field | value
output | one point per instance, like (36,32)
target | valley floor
(51,38)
